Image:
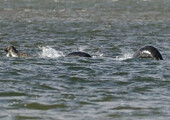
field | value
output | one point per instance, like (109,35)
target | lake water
(108,86)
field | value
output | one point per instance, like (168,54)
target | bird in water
(12,52)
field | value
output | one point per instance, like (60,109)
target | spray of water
(124,57)
(50,52)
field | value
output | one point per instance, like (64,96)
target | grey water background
(108,86)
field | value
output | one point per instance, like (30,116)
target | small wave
(50,52)
(100,55)
(124,57)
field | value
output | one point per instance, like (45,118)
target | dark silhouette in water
(12,52)
(78,54)
(148,52)
(144,52)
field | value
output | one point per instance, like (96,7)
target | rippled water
(109,85)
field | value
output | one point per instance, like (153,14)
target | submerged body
(12,52)
(78,54)
(148,52)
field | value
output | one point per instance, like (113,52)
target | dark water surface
(108,86)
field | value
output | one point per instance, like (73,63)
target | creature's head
(10,49)
(148,52)
(154,52)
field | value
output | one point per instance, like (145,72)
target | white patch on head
(13,55)
(8,55)
(146,52)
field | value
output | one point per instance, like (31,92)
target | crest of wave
(50,52)
(124,57)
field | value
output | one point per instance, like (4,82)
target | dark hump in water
(148,52)
(78,54)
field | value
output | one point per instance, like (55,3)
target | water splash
(124,57)
(98,55)
(50,52)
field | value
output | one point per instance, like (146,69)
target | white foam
(126,56)
(50,52)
